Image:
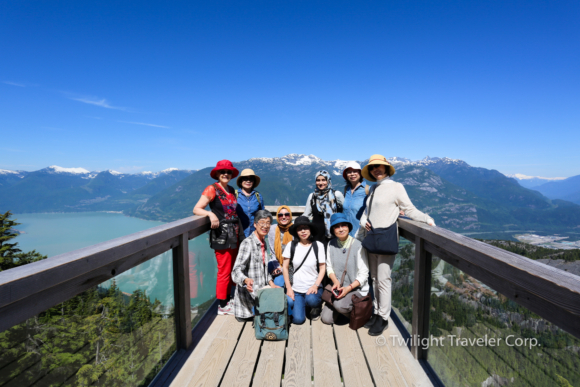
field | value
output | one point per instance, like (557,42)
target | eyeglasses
(372,166)
(264,224)
(283,215)
(247,178)
(225,172)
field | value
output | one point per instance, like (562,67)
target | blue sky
(140,85)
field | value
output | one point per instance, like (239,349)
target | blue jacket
(247,208)
(354,206)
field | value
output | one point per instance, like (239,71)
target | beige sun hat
(377,160)
(248,172)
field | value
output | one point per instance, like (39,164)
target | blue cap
(339,218)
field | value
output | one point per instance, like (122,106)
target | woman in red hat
(226,232)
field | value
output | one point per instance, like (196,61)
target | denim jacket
(247,208)
(354,206)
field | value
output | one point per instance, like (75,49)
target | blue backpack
(271,315)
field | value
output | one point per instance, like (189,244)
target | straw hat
(248,172)
(377,160)
(223,164)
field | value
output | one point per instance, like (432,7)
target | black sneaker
(371,321)
(379,326)
(314,314)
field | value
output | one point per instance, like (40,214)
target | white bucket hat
(350,164)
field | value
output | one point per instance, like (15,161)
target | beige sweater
(390,198)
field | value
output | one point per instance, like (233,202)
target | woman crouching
(307,258)
(344,256)
(250,271)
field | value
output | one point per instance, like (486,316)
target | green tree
(10,255)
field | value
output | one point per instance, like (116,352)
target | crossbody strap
(346,264)
(304,260)
(373,189)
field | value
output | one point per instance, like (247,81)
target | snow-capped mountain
(16,174)
(533,181)
(72,171)
(153,175)
(457,195)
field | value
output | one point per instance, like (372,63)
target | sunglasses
(283,215)
(225,172)
(373,166)
(247,178)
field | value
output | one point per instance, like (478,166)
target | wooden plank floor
(314,355)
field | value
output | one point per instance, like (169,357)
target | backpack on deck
(271,315)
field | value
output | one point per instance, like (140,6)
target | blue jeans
(297,307)
(279,280)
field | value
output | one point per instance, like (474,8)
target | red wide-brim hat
(224,164)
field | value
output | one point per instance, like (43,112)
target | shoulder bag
(382,241)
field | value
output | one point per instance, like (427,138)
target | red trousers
(225,262)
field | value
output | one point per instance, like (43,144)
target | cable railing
(157,341)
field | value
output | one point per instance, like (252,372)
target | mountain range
(459,197)
(56,189)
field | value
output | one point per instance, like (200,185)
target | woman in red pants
(226,232)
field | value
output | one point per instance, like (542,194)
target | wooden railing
(29,290)
(551,293)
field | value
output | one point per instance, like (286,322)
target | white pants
(380,267)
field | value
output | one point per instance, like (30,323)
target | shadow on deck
(316,354)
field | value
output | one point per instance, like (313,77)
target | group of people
(322,246)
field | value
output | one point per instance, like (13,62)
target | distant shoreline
(86,212)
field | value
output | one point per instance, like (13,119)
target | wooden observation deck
(221,351)
(315,354)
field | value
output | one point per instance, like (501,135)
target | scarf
(346,243)
(325,200)
(282,230)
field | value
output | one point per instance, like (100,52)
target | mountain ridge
(460,197)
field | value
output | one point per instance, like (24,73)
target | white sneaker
(226,310)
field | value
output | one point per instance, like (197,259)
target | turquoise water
(54,234)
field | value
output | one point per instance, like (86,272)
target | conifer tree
(10,255)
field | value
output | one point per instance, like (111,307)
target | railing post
(181,293)
(421,299)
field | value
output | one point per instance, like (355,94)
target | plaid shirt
(249,264)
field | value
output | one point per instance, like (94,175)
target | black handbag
(383,241)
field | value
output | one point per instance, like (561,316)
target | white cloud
(143,123)
(97,102)
(14,84)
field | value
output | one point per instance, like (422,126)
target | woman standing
(386,200)
(278,237)
(226,232)
(321,204)
(344,255)
(307,256)
(355,193)
(249,200)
